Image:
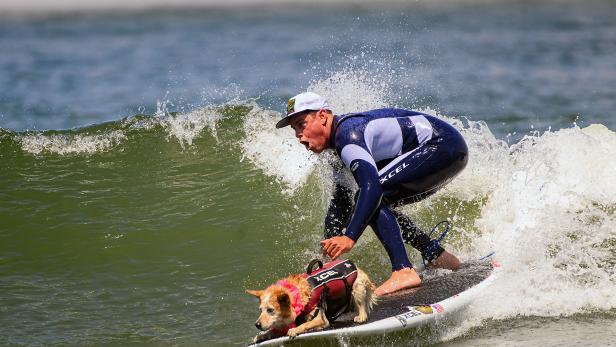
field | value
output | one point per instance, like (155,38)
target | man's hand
(336,246)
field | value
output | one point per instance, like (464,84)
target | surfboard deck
(441,292)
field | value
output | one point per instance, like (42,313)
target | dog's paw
(360,318)
(293,332)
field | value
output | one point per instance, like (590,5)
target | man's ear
(322,114)
(256,293)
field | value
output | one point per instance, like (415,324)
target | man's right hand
(336,246)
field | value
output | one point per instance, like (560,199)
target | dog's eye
(270,310)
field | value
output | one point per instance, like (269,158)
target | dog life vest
(332,284)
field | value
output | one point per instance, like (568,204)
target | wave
(545,204)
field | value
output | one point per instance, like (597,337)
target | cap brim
(285,121)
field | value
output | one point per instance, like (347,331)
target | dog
(308,302)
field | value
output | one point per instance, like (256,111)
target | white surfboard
(438,295)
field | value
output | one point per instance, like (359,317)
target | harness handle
(310,269)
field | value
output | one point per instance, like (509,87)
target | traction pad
(433,289)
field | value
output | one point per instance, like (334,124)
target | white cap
(302,102)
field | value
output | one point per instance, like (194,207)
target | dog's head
(274,307)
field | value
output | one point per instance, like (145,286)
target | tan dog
(281,304)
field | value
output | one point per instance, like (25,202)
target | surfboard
(441,292)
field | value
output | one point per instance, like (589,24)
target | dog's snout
(258,325)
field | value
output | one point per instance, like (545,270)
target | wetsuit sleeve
(370,193)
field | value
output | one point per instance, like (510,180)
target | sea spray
(552,224)
(70,143)
(187,126)
(275,151)
(551,221)
(352,90)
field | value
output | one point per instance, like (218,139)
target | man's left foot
(445,261)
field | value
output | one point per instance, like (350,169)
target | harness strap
(348,289)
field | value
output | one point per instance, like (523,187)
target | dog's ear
(256,293)
(284,301)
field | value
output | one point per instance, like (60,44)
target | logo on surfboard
(403,318)
(424,309)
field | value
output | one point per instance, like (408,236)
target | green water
(147,241)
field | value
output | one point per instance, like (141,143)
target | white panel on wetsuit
(423,128)
(352,152)
(383,137)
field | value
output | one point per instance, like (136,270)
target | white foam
(275,151)
(352,90)
(70,143)
(485,150)
(278,153)
(551,220)
(548,220)
(186,127)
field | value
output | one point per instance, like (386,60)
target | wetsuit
(396,157)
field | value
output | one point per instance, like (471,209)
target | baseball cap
(300,103)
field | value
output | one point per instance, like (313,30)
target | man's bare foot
(446,261)
(401,279)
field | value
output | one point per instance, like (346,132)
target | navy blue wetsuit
(396,157)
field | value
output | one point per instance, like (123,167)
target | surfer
(396,157)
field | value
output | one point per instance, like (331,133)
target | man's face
(309,129)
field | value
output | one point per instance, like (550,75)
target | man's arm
(362,166)
(368,197)
(368,201)
(354,153)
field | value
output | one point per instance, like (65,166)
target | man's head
(310,117)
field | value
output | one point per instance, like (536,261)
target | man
(396,157)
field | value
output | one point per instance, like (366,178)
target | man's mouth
(306,144)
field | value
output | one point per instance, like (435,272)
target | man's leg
(418,174)
(417,238)
(339,212)
(387,230)
(430,250)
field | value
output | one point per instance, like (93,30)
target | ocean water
(143,185)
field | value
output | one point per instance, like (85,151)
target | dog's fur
(276,306)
